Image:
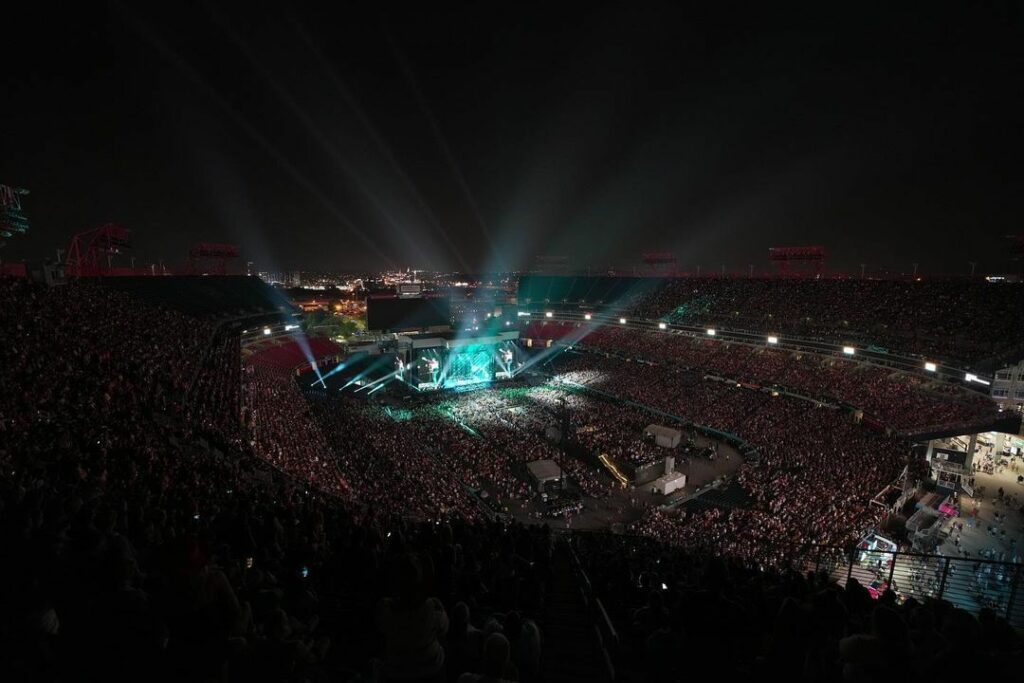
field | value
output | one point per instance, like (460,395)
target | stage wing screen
(395,315)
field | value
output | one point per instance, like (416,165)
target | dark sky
(479,136)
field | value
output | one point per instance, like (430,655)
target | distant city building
(409,289)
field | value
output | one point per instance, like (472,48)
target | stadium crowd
(815,474)
(680,615)
(140,545)
(918,317)
(895,399)
(169,515)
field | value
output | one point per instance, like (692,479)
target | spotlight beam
(442,144)
(382,145)
(192,75)
(324,142)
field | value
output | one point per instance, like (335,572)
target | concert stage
(428,362)
(451,360)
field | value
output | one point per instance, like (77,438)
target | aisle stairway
(571,653)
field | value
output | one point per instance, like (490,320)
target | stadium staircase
(573,650)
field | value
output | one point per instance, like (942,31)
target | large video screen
(391,314)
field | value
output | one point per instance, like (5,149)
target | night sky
(479,136)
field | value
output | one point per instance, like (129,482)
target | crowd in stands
(960,320)
(896,399)
(141,541)
(216,396)
(278,428)
(170,514)
(816,472)
(963,321)
(680,615)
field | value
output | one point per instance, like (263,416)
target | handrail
(968,582)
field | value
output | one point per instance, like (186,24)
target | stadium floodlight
(931,367)
(622,321)
(711,332)
(266,330)
(849,350)
(662,326)
(548,314)
(773,340)
(587,316)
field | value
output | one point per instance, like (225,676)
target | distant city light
(773,340)
(931,367)
(711,332)
(849,350)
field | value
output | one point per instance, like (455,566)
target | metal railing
(969,583)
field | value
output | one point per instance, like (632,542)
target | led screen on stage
(466,365)
(391,314)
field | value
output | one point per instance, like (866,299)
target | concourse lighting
(971,377)
(289,328)
(548,314)
(711,332)
(849,350)
(523,314)
(662,326)
(622,321)
(931,367)
(773,340)
(266,330)
(587,316)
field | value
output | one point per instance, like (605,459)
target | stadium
(467,342)
(583,464)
